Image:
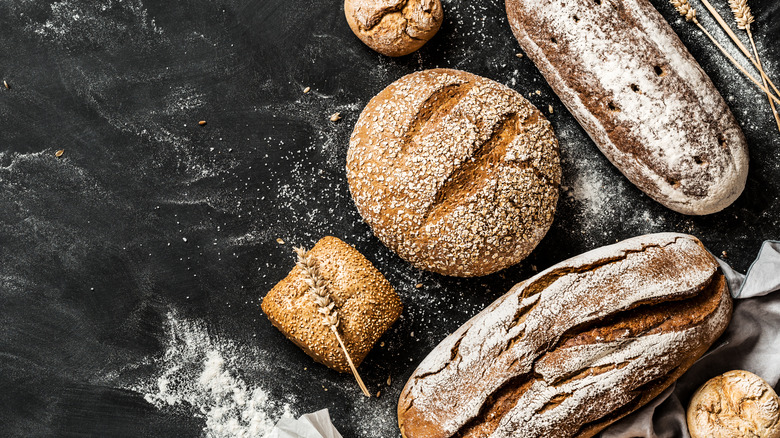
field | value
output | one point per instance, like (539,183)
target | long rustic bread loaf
(574,348)
(629,81)
(455,172)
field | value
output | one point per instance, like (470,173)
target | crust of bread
(574,348)
(630,82)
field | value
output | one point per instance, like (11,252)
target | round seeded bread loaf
(394,27)
(456,173)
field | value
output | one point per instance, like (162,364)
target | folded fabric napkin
(314,425)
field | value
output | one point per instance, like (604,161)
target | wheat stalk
(736,40)
(744,18)
(742,13)
(685,9)
(318,292)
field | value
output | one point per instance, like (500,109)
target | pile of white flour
(200,374)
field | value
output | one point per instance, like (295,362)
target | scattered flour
(589,189)
(200,373)
(97,22)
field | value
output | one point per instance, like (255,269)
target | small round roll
(394,27)
(735,404)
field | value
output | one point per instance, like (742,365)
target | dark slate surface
(148,216)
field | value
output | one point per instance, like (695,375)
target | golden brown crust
(575,348)
(394,27)
(456,173)
(735,404)
(366,303)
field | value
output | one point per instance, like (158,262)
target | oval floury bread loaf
(735,404)
(394,27)
(456,173)
(574,348)
(629,81)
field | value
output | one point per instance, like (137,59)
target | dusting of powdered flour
(204,375)
(98,22)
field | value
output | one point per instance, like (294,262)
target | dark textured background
(93,256)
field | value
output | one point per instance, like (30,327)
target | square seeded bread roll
(367,305)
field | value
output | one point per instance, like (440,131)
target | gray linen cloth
(751,342)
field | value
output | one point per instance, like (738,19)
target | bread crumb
(389,380)
(306,90)
(335,117)
(7,87)
(59,153)
(550,108)
(519,55)
(378,393)
(418,285)
(202,123)
(280,241)
(724,254)
(538,93)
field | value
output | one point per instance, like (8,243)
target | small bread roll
(394,27)
(735,404)
(456,173)
(366,304)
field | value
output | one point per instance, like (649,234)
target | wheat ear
(685,9)
(744,17)
(318,292)
(736,40)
